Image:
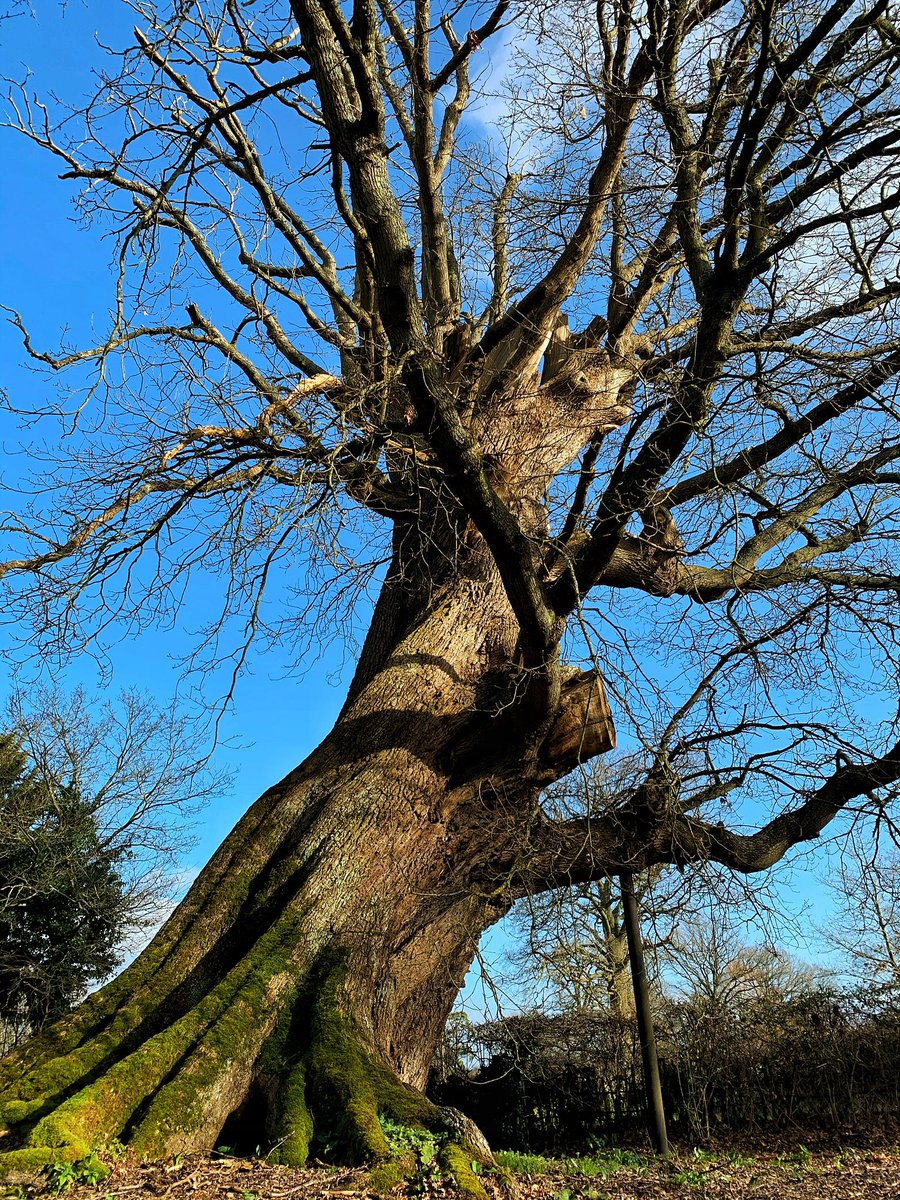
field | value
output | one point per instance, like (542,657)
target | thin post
(656,1116)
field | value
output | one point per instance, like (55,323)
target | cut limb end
(583,727)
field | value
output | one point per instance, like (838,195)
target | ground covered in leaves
(729,1174)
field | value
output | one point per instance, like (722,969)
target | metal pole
(655,1113)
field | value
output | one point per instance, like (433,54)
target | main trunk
(303,983)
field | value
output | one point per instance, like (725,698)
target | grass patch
(600,1164)
(526,1164)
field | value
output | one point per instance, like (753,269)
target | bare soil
(851,1174)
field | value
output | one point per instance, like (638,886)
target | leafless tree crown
(609,291)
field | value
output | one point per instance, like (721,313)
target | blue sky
(57,274)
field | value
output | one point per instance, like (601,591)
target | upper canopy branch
(716,181)
(754,458)
(242,159)
(475,39)
(355,117)
(723,271)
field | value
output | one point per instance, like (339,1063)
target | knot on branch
(652,560)
(661,547)
(587,382)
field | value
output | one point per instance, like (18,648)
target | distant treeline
(822,1059)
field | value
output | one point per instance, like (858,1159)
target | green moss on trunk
(292,1127)
(457,1161)
(158,1091)
(31,1159)
(348,1087)
(337,1093)
(328,1090)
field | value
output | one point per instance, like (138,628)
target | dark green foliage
(62,900)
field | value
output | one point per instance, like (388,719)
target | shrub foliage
(62,901)
(823,1059)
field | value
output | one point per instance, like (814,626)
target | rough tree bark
(308,974)
(304,981)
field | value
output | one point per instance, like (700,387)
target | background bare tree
(94,805)
(743,1032)
(568,947)
(139,770)
(865,927)
(607,411)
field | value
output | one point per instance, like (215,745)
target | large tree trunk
(310,969)
(308,974)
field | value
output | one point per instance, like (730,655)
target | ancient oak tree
(574,328)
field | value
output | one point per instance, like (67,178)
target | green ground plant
(605,1162)
(404,1138)
(60,1176)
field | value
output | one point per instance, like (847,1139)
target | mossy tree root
(163,1095)
(47,1068)
(82,1044)
(331,1100)
(287,1027)
(50,1064)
